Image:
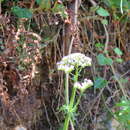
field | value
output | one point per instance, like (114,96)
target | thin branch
(75,22)
(113,70)
(93,3)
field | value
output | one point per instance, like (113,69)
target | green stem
(72,97)
(66,124)
(121,6)
(71,103)
(74,89)
(67,118)
(67,89)
(119,82)
(78,101)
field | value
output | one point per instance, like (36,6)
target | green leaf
(1,42)
(123,113)
(102,12)
(57,8)
(99,45)
(102,60)
(118,51)
(100,82)
(60,8)
(124,80)
(1,1)
(119,60)
(21,12)
(45,4)
(38,1)
(124,102)
(112,3)
(93,8)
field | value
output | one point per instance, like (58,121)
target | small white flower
(66,68)
(68,63)
(77,85)
(87,83)
(84,85)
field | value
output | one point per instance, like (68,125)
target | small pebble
(20,127)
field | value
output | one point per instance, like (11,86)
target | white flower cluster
(68,63)
(84,85)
